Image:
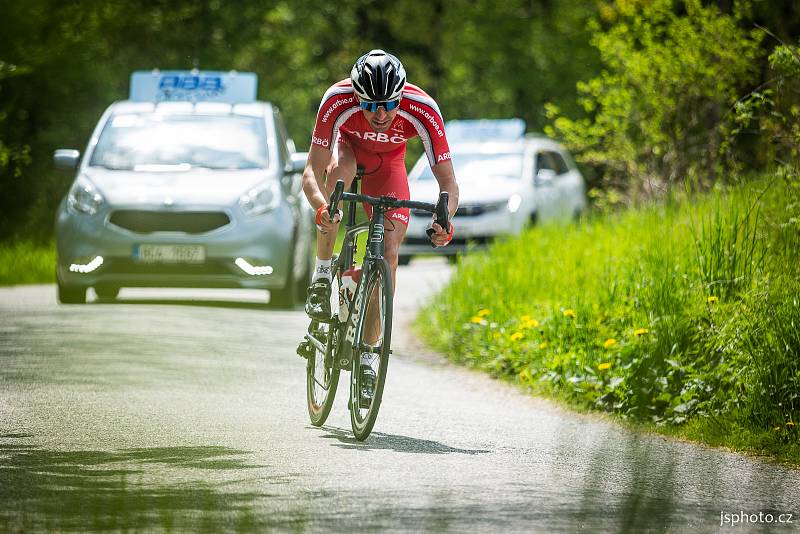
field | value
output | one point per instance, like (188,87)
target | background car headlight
(260,199)
(84,197)
(514,203)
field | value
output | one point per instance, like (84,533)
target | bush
(655,113)
(671,313)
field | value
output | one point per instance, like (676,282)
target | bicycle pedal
(305,350)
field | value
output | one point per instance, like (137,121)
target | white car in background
(191,182)
(507,179)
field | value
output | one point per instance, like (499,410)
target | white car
(507,179)
(189,183)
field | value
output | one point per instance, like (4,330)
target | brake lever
(336,196)
(442,215)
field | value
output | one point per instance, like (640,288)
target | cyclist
(365,121)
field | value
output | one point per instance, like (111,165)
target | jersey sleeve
(338,104)
(422,111)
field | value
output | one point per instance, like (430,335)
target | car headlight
(261,199)
(84,196)
(514,202)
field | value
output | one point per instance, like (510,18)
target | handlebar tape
(336,196)
(442,214)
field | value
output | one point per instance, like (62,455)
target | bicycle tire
(379,278)
(320,396)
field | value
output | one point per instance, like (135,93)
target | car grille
(190,222)
(464,210)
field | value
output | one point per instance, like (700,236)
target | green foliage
(70,60)
(772,112)
(654,114)
(25,262)
(669,313)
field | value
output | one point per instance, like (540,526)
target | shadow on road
(202,303)
(46,490)
(378,440)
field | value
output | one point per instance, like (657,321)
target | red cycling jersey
(418,115)
(381,154)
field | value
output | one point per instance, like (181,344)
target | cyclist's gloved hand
(439,237)
(323,219)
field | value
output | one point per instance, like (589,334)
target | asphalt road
(178,411)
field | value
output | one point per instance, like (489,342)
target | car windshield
(139,141)
(475,165)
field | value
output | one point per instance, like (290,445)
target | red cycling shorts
(384,175)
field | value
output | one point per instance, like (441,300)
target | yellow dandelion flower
(712,299)
(484,312)
(525,318)
(530,323)
(477,319)
(776,429)
(640,332)
(610,342)
(516,336)
(603,366)
(569,312)
(543,345)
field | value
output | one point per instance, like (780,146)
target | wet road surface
(180,411)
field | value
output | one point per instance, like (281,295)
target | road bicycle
(357,338)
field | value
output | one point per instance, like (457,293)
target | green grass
(683,316)
(26,262)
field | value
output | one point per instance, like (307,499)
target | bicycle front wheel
(371,350)
(322,374)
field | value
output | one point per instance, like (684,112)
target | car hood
(471,191)
(200,186)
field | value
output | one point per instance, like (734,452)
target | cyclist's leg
(317,306)
(391,180)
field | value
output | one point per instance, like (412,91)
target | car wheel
(106,292)
(301,286)
(284,298)
(71,294)
(404,259)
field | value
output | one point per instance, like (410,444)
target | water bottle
(347,291)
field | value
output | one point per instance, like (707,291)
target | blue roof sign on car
(193,86)
(485,130)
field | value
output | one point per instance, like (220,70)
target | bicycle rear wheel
(372,350)
(322,374)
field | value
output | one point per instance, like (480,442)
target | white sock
(322,269)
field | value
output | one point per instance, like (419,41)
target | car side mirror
(544,176)
(66,159)
(297,162)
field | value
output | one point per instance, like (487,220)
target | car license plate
(169,253)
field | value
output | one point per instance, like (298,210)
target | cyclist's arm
(446,177)
(314,174)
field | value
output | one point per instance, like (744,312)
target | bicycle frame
(341,341)
(374,252)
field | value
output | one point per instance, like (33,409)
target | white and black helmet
(378,77)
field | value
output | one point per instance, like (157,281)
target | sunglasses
(373,106)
